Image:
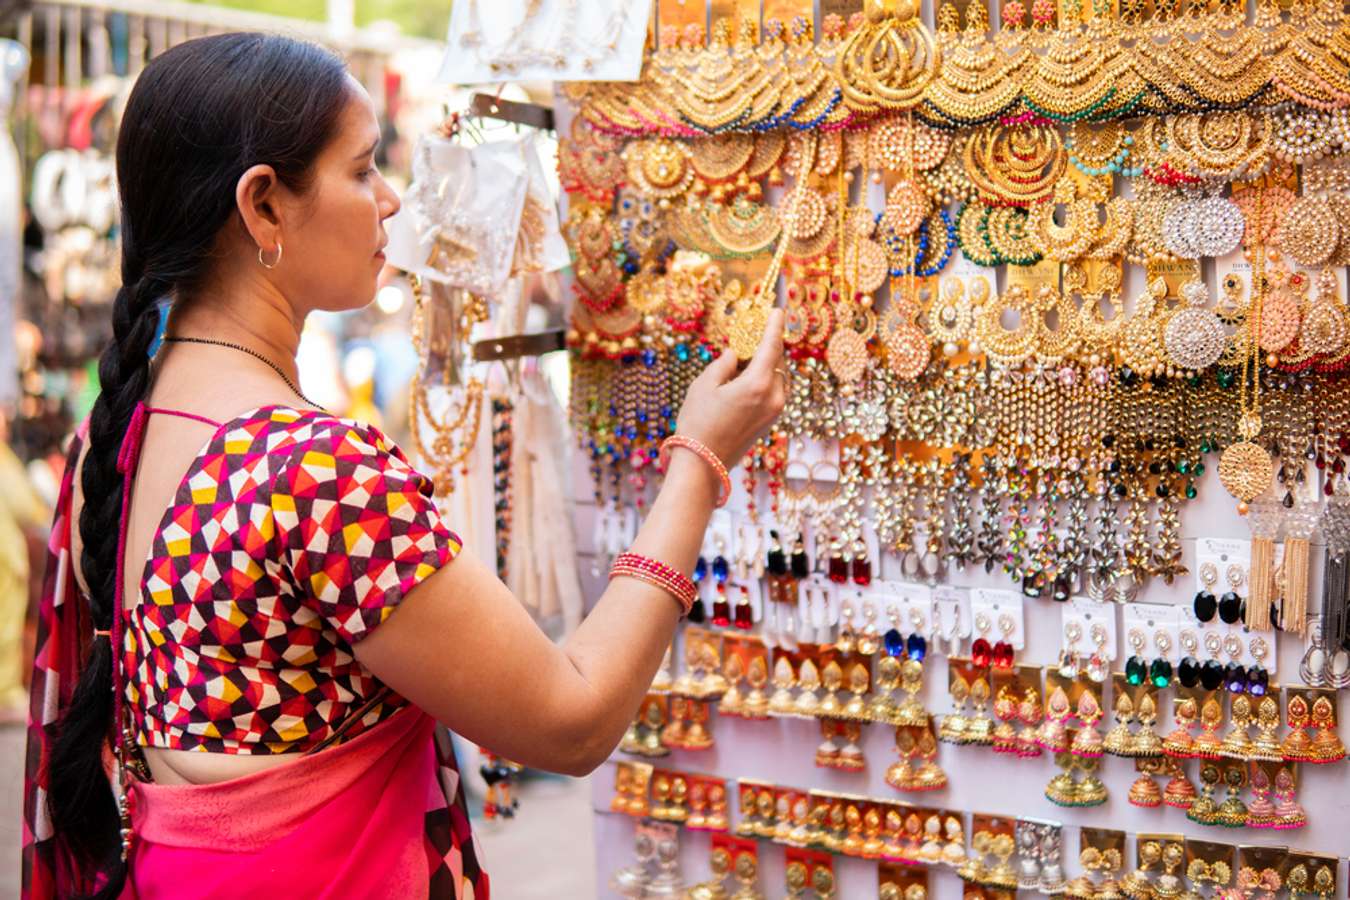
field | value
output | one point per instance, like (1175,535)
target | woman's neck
(256,316)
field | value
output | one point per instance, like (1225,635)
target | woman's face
(333,235)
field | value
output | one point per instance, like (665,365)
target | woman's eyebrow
(369,150)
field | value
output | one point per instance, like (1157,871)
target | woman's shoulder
(313,439)
(278,428)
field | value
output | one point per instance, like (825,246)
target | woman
(265,642)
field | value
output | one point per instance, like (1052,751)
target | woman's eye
(366,173)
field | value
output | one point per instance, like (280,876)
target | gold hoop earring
(263,262)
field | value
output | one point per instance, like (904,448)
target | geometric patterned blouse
(291,536)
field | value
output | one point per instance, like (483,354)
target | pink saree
(344,816)
(380,815)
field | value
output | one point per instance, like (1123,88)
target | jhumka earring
(1030,714)
(1147,744)
(955,724)
(1232,812)
(1053,734)
(1288,813)
(1178,793)
(1177,744)
(1204,809)
(1087,742)
(979,729)
(1326,745)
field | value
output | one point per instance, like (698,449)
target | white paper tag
(1003,611)
(1092,618)
(1159,627)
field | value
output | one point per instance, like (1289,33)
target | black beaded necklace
(295,389)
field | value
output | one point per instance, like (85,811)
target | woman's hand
(727,411)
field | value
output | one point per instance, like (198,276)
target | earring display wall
(1052,319)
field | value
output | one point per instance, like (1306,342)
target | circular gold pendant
(1246,471)
(846,355)
(1279,322)
(909,352)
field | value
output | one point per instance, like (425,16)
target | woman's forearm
(618,648)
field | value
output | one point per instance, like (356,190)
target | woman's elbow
(582,749)
(584,758)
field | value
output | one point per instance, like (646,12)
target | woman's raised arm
(462,648)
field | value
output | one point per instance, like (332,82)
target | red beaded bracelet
(700,448)
(658,574)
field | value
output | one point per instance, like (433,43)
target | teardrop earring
(1205,604)
(893,641)
(744,617)
(1136,667)
(721,571)
(776,561)
(1097,663)
(697,613)
(869,641)
(980,650)
(844,641)
(1160,672)
(1188,672)
(1068,657)
(801,566)
(1004,653)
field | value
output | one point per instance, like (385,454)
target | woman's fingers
(769,353)
(722,369)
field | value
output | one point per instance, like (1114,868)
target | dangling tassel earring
(1297,548)
(1264,518)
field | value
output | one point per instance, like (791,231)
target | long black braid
(200,115)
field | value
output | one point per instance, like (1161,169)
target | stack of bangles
(658,574)
(655,572)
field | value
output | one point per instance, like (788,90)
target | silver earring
(262,262)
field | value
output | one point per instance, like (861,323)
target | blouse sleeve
(356,526)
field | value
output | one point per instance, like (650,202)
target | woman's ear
(256,196)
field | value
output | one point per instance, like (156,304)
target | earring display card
(905,606)
(952,614)
(1260,868)
(1222,554)
(992,836)
(1274,803)
(1158,625)
(1098,621)
(747,802)
(902,882)
(1101,850)
(632,783)
(1307,873)
(1209,864)
(707,804)
(1312,714)
(1141,840)
(644,735)
(1004,612)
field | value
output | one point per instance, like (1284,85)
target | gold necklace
(1245,467)
(752,314)
(454,437)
